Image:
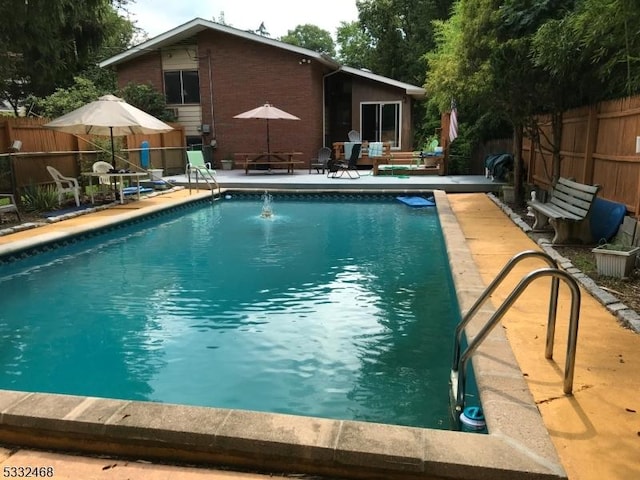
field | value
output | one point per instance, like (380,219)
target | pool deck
(595,432)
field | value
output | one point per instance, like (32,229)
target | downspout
(213,120)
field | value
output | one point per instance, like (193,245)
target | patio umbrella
(267,112)
(109,116)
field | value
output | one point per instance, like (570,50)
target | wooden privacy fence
(73,154)
(598,147)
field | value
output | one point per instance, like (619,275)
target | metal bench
(11,206)
(568,211)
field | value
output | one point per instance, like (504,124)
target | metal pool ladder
(209,178)
(458,370)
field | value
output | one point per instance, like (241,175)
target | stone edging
(625,315)
(30,225)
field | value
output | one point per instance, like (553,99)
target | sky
(279,16)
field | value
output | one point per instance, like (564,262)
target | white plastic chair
(65,185)
(103,167)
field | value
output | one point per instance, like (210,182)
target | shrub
(41,198)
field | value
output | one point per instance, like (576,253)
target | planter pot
(227,164)
(508,194)
(615,263)
(155,173)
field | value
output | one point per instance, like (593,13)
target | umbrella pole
(113,150)
(268,146)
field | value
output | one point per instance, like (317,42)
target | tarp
(606,218)
(499,165)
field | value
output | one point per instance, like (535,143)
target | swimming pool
(336,308)
(270,442)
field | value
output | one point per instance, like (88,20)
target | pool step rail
(209,178)
(460,359)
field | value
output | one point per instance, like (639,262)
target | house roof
(193,27)
(411,90)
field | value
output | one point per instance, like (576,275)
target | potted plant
(615,259)
(227,162)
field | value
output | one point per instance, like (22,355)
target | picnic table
(269,160)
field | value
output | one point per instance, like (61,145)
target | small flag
(453,122)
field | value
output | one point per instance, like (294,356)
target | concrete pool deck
(594,432)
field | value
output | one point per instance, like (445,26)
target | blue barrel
(144,154)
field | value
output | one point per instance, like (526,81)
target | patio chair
(65,185)
(337,169)
(11,206)
(103,167)
(320,162)
(196,164)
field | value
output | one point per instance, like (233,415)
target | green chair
(196,164)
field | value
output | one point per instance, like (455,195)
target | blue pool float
(417,201)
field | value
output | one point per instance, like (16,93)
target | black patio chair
(337,169)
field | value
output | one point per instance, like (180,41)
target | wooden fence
(598,147)
(73,154)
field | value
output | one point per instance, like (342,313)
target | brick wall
(142,70)
(245,75)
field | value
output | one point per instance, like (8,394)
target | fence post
(590,144)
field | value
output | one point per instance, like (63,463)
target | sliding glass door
(380,122)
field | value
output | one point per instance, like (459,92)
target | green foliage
(44,44)
(355,45)
(459,162)
(401,32)
(41,198)
(147,98)
(103,146)
(65,100)
(596,48)
(311,37)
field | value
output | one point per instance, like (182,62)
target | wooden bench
(364,160)
(568,211)
(410,163)
(9,207)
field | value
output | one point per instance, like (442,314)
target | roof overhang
(410,90)
(197,25)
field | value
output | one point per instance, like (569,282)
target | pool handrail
(458,371)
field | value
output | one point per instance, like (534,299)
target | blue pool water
(332,308)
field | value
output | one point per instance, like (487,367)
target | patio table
(269,159)
(119,178)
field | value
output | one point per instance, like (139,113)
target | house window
(380,122)
(182,86)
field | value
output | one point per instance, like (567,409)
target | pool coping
(517,444)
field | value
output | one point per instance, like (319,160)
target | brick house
(211,72)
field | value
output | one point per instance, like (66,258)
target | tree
(120,34)
(486,58)
(65,100)
(401,33)
(594,45)
(44,44)
(311,37)
(147,98)
(355,45)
